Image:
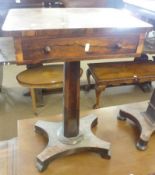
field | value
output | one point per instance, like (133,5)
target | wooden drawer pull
(47,49)
(136,79)
(117,46)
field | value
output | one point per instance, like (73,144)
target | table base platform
(59,146)
(141,119)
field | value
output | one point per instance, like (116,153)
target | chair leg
(33,96)
(39,97)
(98,90)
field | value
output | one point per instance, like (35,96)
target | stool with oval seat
(42,77)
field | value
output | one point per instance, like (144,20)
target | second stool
(48,76)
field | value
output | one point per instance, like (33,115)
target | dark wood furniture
(119,73)
(72,36)
(144,120)
(119,134)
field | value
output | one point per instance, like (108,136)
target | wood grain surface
(126,159)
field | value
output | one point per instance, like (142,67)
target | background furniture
(119,73)
(144,120)
(47,76)
(40,77)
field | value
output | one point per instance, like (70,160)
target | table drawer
(73,49)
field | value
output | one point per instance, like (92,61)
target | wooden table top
(70,18)
(125,159)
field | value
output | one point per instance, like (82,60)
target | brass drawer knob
(47,49)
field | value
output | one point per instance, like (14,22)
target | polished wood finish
(34,49)
(126,159)
(59,146)
(119,73)
(66,38)
(42,76)
(71,99)
(144,119)
(49,76)
(71,24)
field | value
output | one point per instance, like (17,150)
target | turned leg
(88,73)
(39,97)
(98,90)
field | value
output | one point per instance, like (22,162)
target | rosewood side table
(72,35)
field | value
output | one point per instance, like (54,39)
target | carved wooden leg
(88,73)
(98,90)
(38,92)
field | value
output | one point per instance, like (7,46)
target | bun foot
(141,145)
(119,117)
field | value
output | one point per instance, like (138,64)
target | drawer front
(73,49)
